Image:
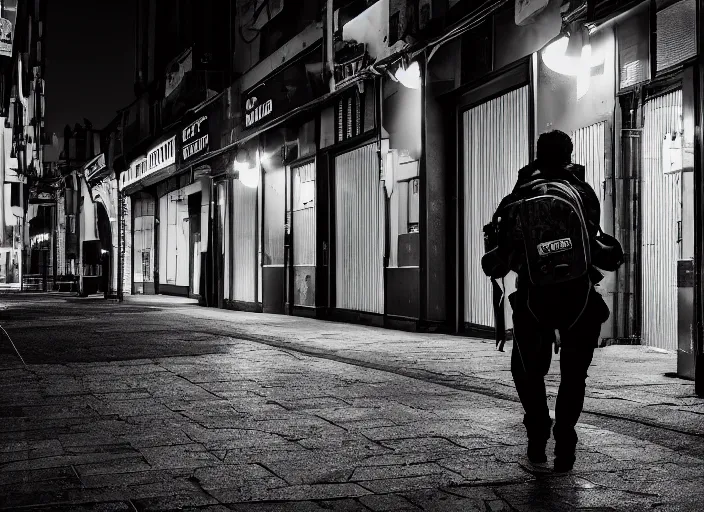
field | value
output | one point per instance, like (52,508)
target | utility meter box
(686,349)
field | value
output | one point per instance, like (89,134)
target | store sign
(295,85)
(256,111)
(94,167)
(195,139)
(42,196)
(8,18)
(161,156)
(6,34)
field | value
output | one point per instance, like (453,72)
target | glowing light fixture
(409,76)
(571,54)
(249,176)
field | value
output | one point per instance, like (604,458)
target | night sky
(90,61)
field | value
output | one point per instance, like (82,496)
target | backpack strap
(499,321)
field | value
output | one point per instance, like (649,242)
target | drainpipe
(699,211)
(329,54)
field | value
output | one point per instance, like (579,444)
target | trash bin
(686,349)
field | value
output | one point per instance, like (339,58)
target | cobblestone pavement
(161,405)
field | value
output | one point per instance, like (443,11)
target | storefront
(271,210)
(562,71)
(238,213)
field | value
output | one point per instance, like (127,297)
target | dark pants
(530,362)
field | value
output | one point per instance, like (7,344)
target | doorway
(106,252)
(360,220)
(495,145)
(194,257)
(661,214)
(301,220)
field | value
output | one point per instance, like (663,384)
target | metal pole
(120,234)
(698,209)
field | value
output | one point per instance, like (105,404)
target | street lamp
(571,54)
(409,76)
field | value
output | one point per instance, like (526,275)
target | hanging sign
(672,161)
(194,138)
(94,167)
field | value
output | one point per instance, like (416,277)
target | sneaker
(564,463)
(536,451)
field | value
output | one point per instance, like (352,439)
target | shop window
(15,194)
(146,266)
(404,223)
(414,206)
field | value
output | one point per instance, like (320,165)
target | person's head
(554,148)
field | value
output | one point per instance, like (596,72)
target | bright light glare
(583,78)
(409,77)
(249,176)
(554,58)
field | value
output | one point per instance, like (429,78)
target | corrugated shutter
(304,215)
(676,34)
(589,151)
(244,234)
(496,146)
(359,231)
(660,211)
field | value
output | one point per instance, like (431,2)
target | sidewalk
(632,382)
(157,404)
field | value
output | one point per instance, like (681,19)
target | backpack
(541,229)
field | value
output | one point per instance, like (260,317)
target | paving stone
(393,485)
(387,503)
(299,506)
(395,471)
(178,456)
(175,502)
(437,500)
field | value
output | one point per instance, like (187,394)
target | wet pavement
(157,404)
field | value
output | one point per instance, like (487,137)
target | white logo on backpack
(546,248)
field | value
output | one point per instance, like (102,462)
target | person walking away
(547,231)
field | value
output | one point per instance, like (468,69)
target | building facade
(348,160)
(28,198)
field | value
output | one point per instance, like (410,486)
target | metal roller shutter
(359,231)
(496,146)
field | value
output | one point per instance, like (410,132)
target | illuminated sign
(161,156)
(195,138)
(255,112)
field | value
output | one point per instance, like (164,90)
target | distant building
(28,197)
